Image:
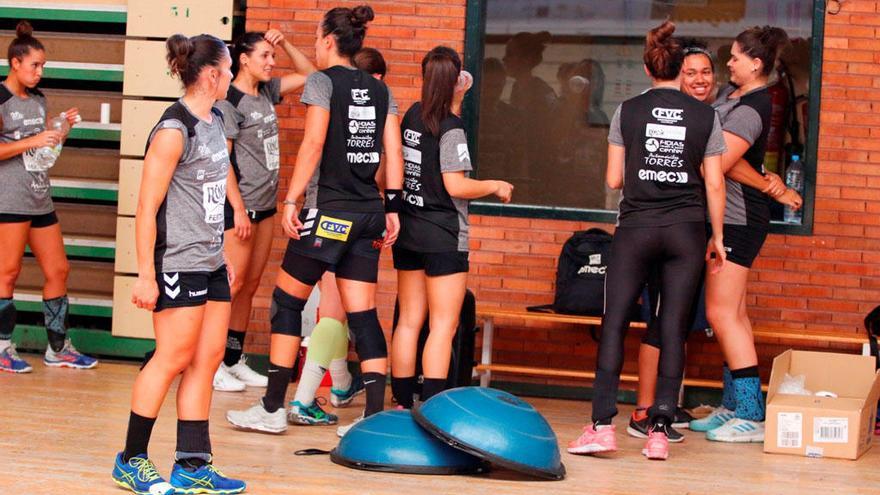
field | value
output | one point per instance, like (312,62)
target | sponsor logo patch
(668,115)
(674,132)
(360,96)
(361,113)
(372,157)
(412,137)
(333,228)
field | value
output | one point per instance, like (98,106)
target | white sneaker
(738,431)
(258,419)
(342,430)
(225,382)
(246,375)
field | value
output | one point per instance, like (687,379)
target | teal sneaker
(300,414)
(714,420)
(342,398)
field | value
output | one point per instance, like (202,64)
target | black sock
(7,318)
(404,389)
(375,385)
(193,443)
(279,379)
(432,387)
(751,371)
(138,437)
(234,347)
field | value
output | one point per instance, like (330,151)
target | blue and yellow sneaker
(206,479)
(140,476)
(68,357)
(10,362)
(342,398)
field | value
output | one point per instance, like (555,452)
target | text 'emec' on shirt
(359,105)
(665,134)
(432,221)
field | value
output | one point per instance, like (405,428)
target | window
(550,74)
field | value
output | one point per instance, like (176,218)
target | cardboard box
(841,427)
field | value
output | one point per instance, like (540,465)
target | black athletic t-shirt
(346,177)
(666,134)
(432,221)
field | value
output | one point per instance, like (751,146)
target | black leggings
(677,252)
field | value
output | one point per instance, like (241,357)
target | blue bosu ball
(391,441)
(496,426)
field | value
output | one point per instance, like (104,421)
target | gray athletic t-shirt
(455,157)
(189,234)
(250,122)
(25,188)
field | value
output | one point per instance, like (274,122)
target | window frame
(475,35)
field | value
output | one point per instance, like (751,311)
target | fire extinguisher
(779,117)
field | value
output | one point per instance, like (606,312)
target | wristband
(393,200)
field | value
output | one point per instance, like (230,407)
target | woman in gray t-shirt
(27,215)
(252,191)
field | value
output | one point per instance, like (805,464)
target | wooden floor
(59,431)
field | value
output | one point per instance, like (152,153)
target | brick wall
(825,281)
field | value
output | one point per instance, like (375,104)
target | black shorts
(434,264)
(186,289)
(743,243)
(351,241)
(37,221)
(256,216)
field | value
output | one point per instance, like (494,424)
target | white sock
(311,378)
(4,343)
(340,374)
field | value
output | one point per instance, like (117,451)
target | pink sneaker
(593,441)
(657,446)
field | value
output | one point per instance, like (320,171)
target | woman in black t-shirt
(671,146)
(431,255)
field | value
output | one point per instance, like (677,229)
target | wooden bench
(488,315)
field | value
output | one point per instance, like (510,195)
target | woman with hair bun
(252,191)
(27,215)
(182,274)
(744,107)
(351,119)
(665,152)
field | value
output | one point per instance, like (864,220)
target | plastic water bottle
(794,178)
(47,155)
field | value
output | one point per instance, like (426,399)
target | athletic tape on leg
(286,313)
(369,341)
(55,314)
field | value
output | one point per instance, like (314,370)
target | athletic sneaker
(206,479)
(342,430)
(140,476)
(257,418)
(657,446)
(10,362)
(641,429)
(717,419)
(246,374)
(68,357)
(342,398)
(682,419)
(593,441)
(225,382)
(738,430)
(311,414)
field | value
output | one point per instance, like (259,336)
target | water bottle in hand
(794,178)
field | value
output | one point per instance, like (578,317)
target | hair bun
(24,29)
(179,48)
(361,15)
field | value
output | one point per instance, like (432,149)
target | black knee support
(369,341)
(286,313)
(7,318)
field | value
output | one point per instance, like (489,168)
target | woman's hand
(790,198)
(72,116)
(504,191)
(392,229)
(46,138)
(775,185)
(242,224)
(274,37)
(290,221)
(145,293)
(715,254)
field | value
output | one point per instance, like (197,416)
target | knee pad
(55,314)
(286,313)
(369,341)
(323,341)
(7,318)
